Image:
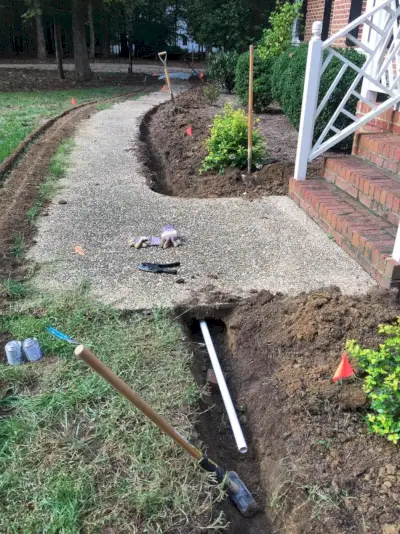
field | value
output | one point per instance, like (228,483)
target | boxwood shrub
(262,81)
(288,82)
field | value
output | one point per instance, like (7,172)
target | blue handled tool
(60,335)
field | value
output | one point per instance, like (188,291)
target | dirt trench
(312,465)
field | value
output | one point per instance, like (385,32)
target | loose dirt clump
(172,159)
(321,469)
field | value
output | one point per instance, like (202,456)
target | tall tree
(40,39)
(81,60)
(92,45)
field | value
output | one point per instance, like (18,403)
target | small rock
(62,201)
(390,469)
(213,276)
(45,214)
(390,529)
(180,281)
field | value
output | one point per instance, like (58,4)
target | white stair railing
(380,73)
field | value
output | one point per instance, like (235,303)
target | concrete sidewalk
(234,244)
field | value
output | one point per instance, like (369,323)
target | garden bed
(320,468)
(172,159)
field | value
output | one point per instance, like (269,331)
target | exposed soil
(40,80)
(172,159)
(321,470)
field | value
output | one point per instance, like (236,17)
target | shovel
(235,488)
(163,59)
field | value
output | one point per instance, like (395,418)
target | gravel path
(234,244)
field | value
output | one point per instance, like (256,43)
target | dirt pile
(321,468)
(172,159)
(325,472)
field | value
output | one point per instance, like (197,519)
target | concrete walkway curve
(234,244)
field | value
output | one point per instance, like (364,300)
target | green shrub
(278,82)
(227,145)
(288,83)
(211,93)
(262,89)
(221,69)
(382,382)
(278,37)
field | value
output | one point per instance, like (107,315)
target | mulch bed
(320,467)
(172,159)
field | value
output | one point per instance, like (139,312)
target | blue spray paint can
(14,352)
(32,349)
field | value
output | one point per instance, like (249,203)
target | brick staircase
(358,200)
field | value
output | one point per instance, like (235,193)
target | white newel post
(396,248)
(310,100)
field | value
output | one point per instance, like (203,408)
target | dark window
(355,12)
(327,19)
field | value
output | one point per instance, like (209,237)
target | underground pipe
(223,388)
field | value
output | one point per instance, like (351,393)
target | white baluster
(310,100)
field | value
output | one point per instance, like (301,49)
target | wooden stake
(250,112)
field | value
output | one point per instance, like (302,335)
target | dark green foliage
(262,81)
(221,69)
(288,83)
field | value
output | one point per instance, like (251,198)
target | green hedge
(221,69)
(262,81)
(288,82)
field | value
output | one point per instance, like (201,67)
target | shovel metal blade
(240,495)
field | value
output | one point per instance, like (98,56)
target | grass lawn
(21,112)
(77,457)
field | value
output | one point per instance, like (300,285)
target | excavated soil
(172,159)
(319,468)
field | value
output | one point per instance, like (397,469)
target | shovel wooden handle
(163,59)
(117,383)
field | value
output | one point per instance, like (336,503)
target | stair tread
(381,234)
(366,168)
(386,137)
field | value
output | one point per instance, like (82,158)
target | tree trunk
(82,67)
(41,42)
(58,47)
(105,41)
(92,47)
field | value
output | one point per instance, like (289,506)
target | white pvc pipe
(233,419)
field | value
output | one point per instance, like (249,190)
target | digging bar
(235,488)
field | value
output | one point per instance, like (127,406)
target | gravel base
(234,244)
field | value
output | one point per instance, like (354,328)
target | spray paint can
(14,352)
(32,349)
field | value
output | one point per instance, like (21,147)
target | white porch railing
(380,43)
(380,73)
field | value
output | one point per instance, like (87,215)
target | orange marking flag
(79,250)
(164,88)
(189,131)
(344,370)
(73,101)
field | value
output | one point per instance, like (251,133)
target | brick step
(363,235)
(375,188)
(382,149)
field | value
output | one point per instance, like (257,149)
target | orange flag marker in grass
(79,250)
(164,88)
(201,75)
(73,101)
(189,131)
(344,370)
